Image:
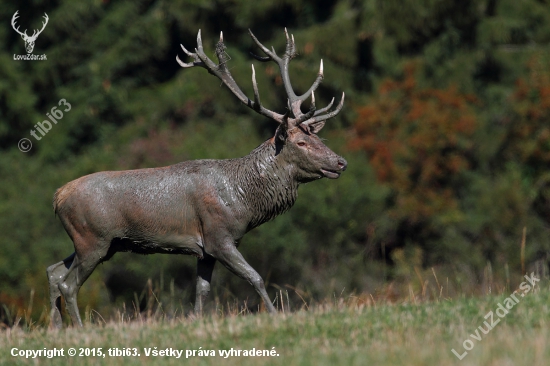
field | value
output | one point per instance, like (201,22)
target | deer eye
(301,143)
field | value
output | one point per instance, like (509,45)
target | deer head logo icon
(29,40)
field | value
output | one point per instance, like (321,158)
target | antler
(35,34)
(313,116)
(223,73)
(24,34)
(15,16)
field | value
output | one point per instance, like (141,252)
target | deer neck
(267,183)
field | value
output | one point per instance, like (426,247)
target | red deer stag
(200,207)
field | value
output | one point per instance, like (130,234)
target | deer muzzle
(330,173)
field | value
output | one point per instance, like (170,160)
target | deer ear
(314,128)
(281,133)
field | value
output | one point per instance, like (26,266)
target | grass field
(344,331)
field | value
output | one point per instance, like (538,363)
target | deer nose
(342,164)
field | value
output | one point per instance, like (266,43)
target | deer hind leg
(205,267)
(233,260)
(82,266)
(56,273)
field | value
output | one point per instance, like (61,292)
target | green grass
(346,331)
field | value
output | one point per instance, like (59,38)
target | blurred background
(446,129)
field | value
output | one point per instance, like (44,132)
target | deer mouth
(331,174)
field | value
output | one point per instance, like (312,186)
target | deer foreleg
(231,258)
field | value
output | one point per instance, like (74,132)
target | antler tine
(324,117)
(271,54)
(287,41)
(199,41)
(292,47)
(260,58)
(197,60)
(189,53)
(320,77)
(183,64)
(257,104)
(323,110)
(288,49)
(309,114)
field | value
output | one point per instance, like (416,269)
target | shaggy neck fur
(265,181)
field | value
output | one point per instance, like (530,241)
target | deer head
(29,41)
(296,135)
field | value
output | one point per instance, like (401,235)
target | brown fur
(63,193)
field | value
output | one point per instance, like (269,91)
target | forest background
(446,129)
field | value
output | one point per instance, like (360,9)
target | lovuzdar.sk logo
(29,40)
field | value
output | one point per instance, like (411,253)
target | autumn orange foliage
(417,140)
